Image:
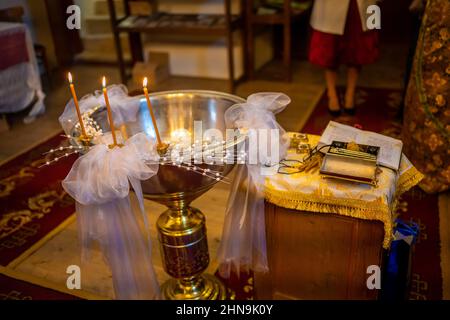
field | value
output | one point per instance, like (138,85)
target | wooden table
(323,234)
(318,256)
(222,25)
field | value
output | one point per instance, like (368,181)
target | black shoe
(350,111)
(334,113)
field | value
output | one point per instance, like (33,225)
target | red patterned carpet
(14,289)
(426,275)
(32,205)
(376,110)
(32,201)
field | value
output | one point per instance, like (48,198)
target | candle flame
(144,83)
(104,82)
(69,76)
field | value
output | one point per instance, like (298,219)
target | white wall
(209,59)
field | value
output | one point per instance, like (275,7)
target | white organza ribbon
(243,244)
(124,108)
(100,181)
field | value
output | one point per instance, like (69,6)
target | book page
(338,132)
(390,148)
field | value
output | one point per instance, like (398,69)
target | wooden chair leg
(287,61)
(120,58)
(47,68)
(230,47)
(244,39)
(231,64)
(250,41)
(43,56)
(4,126)
(117,43)
(136,46)
(287,40)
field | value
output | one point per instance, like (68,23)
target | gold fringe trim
(352,208)
(408,179)
(355,208)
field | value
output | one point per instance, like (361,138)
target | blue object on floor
(397,270)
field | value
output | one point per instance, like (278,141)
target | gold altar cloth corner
(309,191)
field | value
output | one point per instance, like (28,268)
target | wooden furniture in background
(15,14)
(67,42)
(12,14)
(284,18)
(223,25)
(318,256)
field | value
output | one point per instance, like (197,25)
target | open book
(390,148)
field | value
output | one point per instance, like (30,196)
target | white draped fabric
(124,108)
(100,182)
(243,244)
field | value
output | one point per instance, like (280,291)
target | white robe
(330,15)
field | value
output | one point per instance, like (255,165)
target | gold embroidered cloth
(312,192)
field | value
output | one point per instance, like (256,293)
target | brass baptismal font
(181,228)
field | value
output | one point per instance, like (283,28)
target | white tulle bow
(100,182)
(124,108)
(243,244)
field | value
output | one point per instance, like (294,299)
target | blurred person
(340,36)
(426,123)
(416,9)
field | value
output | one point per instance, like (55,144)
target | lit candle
(108,108)
(77,107)
(161,147)
(150,109)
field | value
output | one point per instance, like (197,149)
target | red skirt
(354,48)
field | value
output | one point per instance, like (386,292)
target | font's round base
(204,287)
